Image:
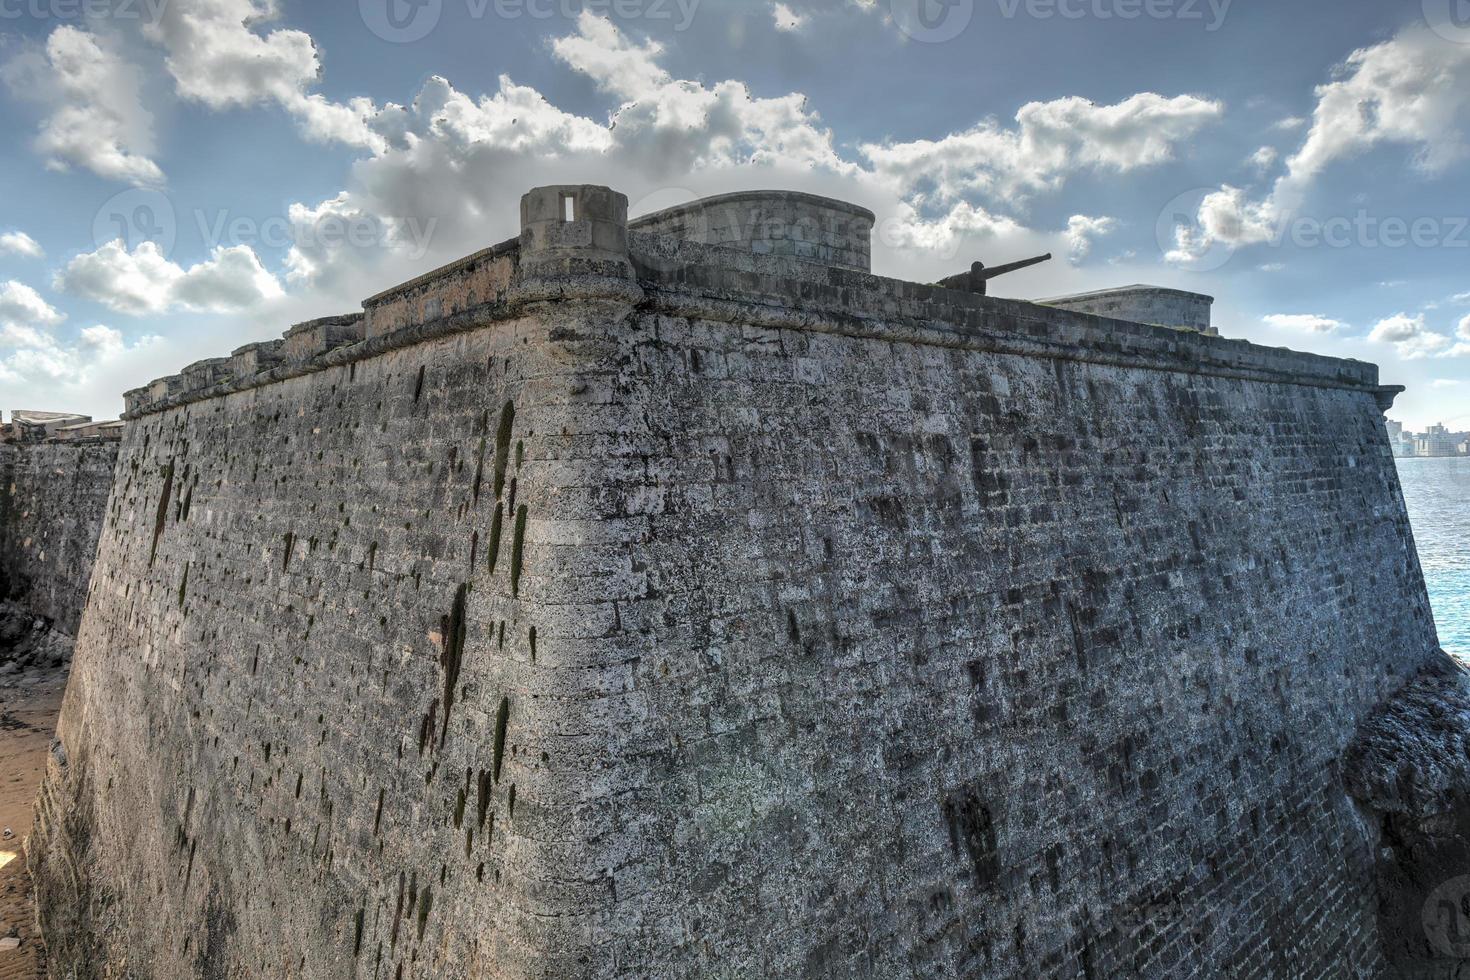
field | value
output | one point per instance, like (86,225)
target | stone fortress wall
(1144,304)
(53,496)
(608,604)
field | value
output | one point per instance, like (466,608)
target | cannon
(974,281)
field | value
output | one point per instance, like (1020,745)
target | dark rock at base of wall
(1409,768)
(27,641)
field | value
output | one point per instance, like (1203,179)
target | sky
(184,177)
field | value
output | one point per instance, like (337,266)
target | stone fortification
(1144,304)
(53,494)
(614,605)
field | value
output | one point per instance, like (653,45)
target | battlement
(774,258)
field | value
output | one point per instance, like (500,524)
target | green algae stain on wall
(517,546)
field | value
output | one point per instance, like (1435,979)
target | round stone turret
(804,226)
(574,229)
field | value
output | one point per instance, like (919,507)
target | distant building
(1438,441)
(29,426)
(1401,442)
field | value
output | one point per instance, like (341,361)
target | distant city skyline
(192,175)
(1435,440)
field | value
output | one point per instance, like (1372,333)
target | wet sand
(29,702)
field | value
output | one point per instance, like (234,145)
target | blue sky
(186,176)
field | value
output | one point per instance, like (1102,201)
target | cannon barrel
(974,281)
(1000,270)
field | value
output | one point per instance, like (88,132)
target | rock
(9,943)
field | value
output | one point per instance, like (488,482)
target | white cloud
(1288,124)
(680,125)
(1081,230)
(1398,327)
(1411,338)
(455,165)
(1051,140)
(1227,217)
(217,57)
(21,307)
(30,353)
(943,236)
(1309,322)
(1264,158)
(19,243)
(1412,90)
(1446,383)
(786,18)
(1464,328)
(144,281)
(45,371)
(96,120)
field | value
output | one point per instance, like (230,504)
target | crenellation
(253,359)
(204,374)
(305,342)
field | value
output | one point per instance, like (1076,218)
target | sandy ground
(29,701)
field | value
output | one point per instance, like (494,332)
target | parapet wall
(785,223)
(1144,304)
(691,612)
(53,496)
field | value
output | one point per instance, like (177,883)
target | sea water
(1437,494)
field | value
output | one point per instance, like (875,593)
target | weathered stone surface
(1144,304)
(786,223)
(748,617)
(52,499)
(1410,769)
